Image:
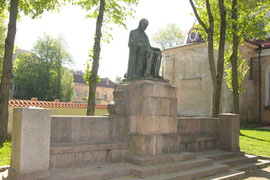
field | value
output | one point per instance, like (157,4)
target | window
(267,86)
(75,93)
(105,96)
(86,94)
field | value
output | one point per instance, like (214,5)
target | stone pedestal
(150,108)
(30,144)
(228,132)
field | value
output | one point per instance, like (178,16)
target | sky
(78,32)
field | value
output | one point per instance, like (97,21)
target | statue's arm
(155,49)
(132,40)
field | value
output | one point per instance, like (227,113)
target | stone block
(134,106)
(120,105)
(173,107)
(135,90)
(143,145)
(62,160)
(147,90)
(30,143)
(151,145)
(119,127)
(163,107)
(92,157)
(228,132)
(159,90)
(168,124)
(88,129)
(61,130)
(14,175)
(172,92)
(149,106)
(168,144)
(117,155)
(147,125)
(150,111)
(133,123)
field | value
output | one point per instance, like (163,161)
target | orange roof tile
(50,104)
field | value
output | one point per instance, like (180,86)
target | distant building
(104,91)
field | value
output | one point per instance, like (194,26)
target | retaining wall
(197,133)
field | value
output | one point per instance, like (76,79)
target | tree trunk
(234,58)
(210,39)
(7,70)
(213,72)
(220,61)
(94,73)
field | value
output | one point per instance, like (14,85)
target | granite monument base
(150,109)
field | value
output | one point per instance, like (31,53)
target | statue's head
(143,24)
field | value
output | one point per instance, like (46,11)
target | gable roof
(104,82)
(264,43)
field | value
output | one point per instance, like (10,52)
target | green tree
(168,37)
(203,10)
(2,42)
(53,56)
(118,80)
(34,9)
(246,19)
(105,12)
(30,76)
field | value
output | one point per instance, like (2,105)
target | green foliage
(67,85)
(118,80)
(116,12)
(168,37)
(255,141)
(88,71)
(2,43)
(242,68)
(252,22)
(5,153)
(41,74)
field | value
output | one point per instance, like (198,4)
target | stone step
(101,172)
(194,173)
(186,175)
(230,175)
(160,159)
(238,160)
(239,171)
(219,155)
(147,171)
(247,167)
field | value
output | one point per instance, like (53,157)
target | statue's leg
(157,64)
(141,62)
(149,64)
(132,63)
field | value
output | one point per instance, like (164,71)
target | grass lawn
(5,151)
(255,141)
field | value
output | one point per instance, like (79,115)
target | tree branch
(210,16)
(198,17)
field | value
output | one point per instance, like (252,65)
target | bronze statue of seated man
(144,60)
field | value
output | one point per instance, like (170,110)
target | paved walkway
(260,174)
